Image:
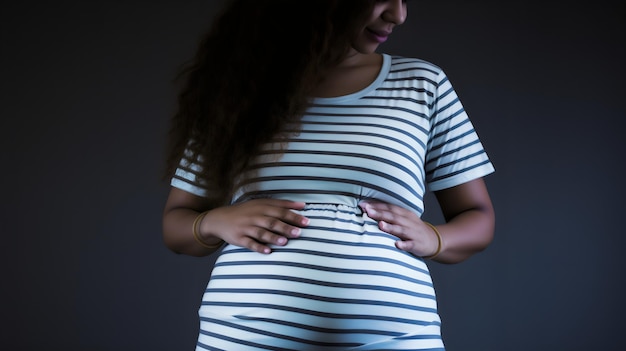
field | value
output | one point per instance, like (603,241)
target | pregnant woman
(303,155)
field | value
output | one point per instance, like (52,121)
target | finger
(266,237)
(283,210)
(295,205)
(291,217)
(400,231)
(372,211)
(260,241)
(405,245)
(281,226)
(254,245)
(390,214)
(383,207)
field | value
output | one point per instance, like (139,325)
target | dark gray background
(86,97)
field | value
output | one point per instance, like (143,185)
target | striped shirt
(343,285)
(390,141)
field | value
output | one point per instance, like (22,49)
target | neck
(356,59)
(354,73)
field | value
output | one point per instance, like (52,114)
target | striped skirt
(341,286)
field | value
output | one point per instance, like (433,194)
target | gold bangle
(196,233)
(439,242)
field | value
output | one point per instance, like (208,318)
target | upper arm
(472,195)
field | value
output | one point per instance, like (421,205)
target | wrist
(197,225)
(439,242)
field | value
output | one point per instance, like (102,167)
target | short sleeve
(455,154)
(186,177)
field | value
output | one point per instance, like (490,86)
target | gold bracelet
(196,234)
(439,243)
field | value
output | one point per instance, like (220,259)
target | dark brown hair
(253,72)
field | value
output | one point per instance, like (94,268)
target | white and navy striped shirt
(343,285)
(390,141)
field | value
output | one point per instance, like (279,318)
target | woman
(308,154)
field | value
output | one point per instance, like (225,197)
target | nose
(395,12)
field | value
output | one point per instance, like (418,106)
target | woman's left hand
(415,236)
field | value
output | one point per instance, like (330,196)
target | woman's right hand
(255,224)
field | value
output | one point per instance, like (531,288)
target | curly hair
(254,72)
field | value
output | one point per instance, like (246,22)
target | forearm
(178,233)
(466,234)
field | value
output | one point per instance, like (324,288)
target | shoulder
(412,68)
(403,63)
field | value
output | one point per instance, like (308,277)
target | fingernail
(281,241)
(295,231)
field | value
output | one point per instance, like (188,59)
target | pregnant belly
(342,274)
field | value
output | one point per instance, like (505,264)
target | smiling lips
(379,36)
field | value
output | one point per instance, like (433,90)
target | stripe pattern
(406,132)
(343,285)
